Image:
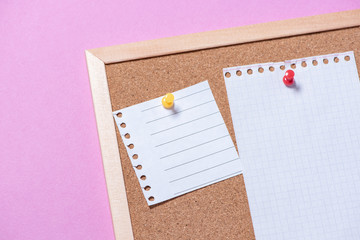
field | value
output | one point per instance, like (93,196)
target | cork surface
(221,210)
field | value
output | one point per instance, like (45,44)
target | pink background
(51,178)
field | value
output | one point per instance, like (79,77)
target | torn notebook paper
(178,150)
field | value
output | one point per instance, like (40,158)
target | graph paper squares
(300,146)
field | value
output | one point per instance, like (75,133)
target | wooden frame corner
(109,148)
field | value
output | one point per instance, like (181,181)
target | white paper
(300,147)
(180,149)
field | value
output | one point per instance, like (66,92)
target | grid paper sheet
(300,146)
(176,151)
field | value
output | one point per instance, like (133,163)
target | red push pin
(288,79)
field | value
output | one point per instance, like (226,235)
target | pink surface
(51,178)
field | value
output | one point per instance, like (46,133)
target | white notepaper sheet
(300,146)
(175,151)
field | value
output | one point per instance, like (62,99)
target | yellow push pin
(168,100)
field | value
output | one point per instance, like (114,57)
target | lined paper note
(175,151)
(300,146)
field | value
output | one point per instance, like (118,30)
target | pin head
(168,100)
(288,79)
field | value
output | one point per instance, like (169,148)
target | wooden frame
(98,58)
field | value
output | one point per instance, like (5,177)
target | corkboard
(221,210)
